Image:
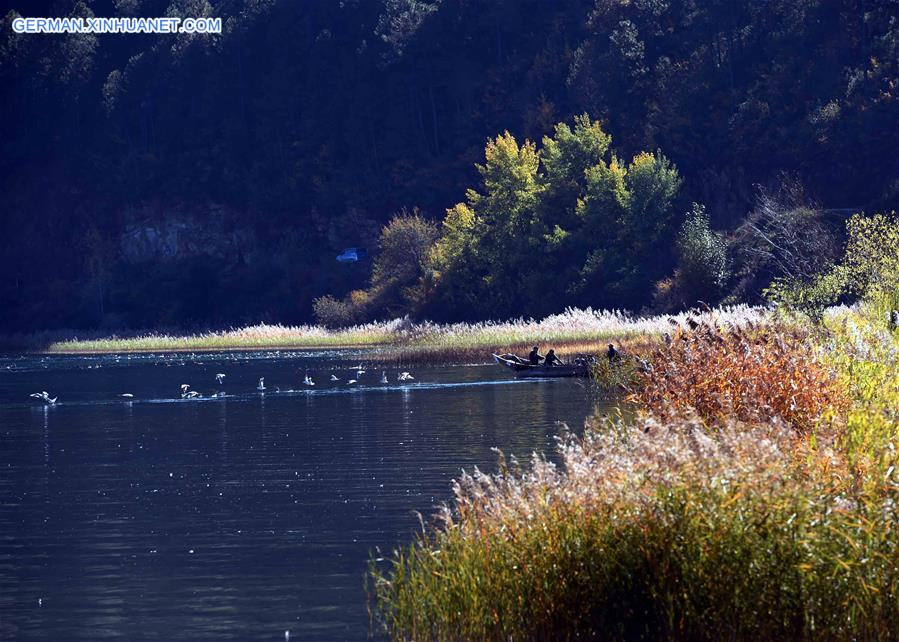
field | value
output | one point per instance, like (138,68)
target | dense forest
(496,157)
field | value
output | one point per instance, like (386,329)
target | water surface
(237,517)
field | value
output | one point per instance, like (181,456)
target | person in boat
(613,354)
(551,359)
(534,357)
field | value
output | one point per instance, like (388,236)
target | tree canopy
(208,180)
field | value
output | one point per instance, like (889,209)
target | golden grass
(571,331)
(758,501)
(749,373)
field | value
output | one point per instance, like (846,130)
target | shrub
(334,313)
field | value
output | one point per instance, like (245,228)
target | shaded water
(239,517)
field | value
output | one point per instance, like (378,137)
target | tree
(493,231)
(868,270)
(702,266)
(401,272)
(784,237)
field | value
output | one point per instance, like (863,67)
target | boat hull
(524,370)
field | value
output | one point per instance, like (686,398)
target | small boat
(527,370)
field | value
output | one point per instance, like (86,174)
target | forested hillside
(617,153)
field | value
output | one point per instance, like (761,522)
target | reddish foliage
(749,374)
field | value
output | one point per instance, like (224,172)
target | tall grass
(866,357)
(755,498)
(750,373)
(574,330)
(657,530)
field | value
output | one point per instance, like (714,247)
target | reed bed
(573,330)
(754,497)
(654,530)
(749,373)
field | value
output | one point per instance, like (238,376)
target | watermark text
(117,25)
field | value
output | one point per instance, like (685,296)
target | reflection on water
(239,517)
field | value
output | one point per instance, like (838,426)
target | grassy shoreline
(570,332)
(754,496)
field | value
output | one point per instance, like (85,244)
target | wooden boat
(527,370)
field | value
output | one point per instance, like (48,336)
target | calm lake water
(239,517)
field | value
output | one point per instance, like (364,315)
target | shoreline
(570,332)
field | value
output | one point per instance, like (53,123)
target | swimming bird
(261,385)
(383,376)
(193,394)
(335,378)
(359,373)
(219,377)
(308,381)
(350,382)
(127,395)
(184,388)
(405,376)
(45,396)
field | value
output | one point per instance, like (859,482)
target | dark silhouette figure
(613,354)
(552,359)
(534,356)
(894,320)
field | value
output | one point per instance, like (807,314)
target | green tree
(702,266)
(401,273)
(493,231)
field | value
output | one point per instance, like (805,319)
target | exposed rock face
(151,235)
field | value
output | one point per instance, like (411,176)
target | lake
(237,517)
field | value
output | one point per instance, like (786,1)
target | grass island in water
(570,332)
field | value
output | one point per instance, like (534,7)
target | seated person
(613,354)
(552,359)
(534,357)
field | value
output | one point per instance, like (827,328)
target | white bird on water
(127,395)
(220,377)
(405,376)
(383,376)
(350,382)
(193,394)
(184,388)
(45,396)
(308,381)
(335,378)
(261,385)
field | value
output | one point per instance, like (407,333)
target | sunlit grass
(571,331)
(757,501)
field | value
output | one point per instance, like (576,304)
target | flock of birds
(187,393)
